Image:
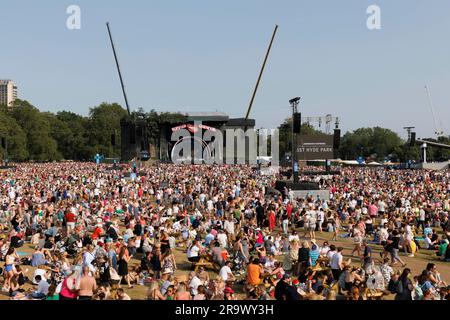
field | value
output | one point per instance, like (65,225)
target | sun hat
(167,271)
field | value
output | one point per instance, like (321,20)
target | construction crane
(438,131)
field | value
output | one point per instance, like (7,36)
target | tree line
(373,144)
(44,136)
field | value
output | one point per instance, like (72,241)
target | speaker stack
(336,142)
(301,185)
(297,122)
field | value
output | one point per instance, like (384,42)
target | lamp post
(294,103)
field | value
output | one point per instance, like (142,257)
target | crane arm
(430,101)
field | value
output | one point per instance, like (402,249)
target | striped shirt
(314,255)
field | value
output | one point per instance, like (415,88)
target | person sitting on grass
(42,289)
(121,295)
(430,244)
(442,247)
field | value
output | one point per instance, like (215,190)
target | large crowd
(85,231)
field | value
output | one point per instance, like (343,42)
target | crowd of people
(199,232)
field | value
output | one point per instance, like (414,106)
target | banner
(318,147)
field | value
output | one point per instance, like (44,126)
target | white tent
(373,163)
(351,162)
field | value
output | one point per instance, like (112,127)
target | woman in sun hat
(229,293)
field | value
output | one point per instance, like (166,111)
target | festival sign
(317,147)
(193,127)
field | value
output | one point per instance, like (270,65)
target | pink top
(66,292)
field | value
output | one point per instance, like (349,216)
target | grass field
(416,264)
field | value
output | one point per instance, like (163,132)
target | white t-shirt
(428,243)
(384,234)
(222,238)
(330,254)
(224,271)
(324,250)
(229,226)
(320,216)
(421,215)
(312,217)
(336,260)
(408,233)
(193,252)
(381,206)
(195,282)
(40,272)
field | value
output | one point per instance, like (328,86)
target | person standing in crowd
(336,263)
(124,258)
(87,285)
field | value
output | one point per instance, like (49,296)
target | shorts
(71,225)
(8,267)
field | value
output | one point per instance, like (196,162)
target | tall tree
(16,139)
(375,143)
(105,121)
(40,144)
(77,147)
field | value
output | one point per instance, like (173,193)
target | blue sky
(199,55)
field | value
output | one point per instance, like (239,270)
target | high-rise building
(8,93)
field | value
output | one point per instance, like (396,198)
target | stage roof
(205,116)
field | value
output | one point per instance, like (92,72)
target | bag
(28,232)
(399,287)
(388,247)
(392,286)
(21,280)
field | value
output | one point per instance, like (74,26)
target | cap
(228,290)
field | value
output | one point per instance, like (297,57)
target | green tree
(40,144)
(285,135)
(62,134)
(375,143)
(15,138)
(77,146)
(104,120)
